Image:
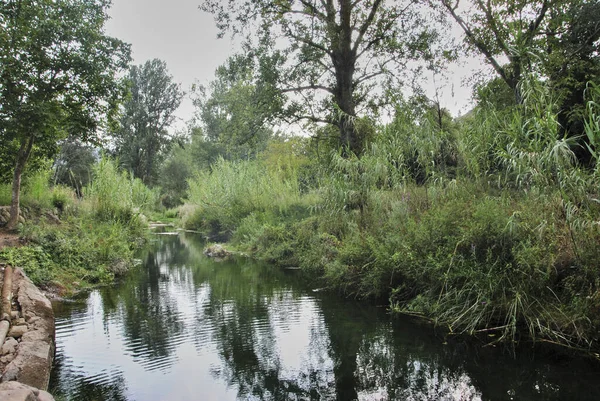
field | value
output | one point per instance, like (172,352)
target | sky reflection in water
(184,327)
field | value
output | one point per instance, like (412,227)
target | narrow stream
(184,327)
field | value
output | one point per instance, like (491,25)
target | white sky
(177,32)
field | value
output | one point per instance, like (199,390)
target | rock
(217,251)
(9,346)
(6,359)
(34,354)
(14,391)
(14,314)
(52,218)
(19,321)
(30,366)
(119,267)
(17,331)
(45,396)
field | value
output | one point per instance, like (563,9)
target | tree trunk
(22,157)
(344,61)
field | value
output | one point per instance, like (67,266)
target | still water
(184,327)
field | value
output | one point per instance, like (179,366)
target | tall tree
(73,164)
(236,108)
(333,51)
(505,29)
(142,135)
(58,76)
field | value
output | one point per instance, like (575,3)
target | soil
(9,238)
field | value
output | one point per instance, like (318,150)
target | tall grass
(231,191)
(96,236)
(486,225)
(116,195)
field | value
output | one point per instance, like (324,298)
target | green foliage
(36,189)
(235,110)
(36,263)
(142,139)
(116,195)
(73,164)
(58,77)
(331,72)
(233,190)
(486,225)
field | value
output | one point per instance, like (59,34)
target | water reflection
(184,327)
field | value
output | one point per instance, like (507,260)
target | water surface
(184,327)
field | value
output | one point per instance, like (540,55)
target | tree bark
(344,62)
(22,157)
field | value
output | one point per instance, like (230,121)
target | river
(185,327)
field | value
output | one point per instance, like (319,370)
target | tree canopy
(329,54)
(58,75)
(142,135)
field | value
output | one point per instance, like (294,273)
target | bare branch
(307,87)
(365,26)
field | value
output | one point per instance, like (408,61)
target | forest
(315,147)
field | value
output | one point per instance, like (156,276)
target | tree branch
(365,26)
(307,87)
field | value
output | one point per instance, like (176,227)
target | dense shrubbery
(97,234)
(483,224)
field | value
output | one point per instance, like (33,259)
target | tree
(58,76)
(333,52)
(236,108)
(511,29)
(142,137)
(573,60)
(73,165)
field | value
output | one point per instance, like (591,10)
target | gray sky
(177,32)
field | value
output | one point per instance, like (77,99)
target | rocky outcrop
(27,353)
(14,391)
(217,251)
(24,214)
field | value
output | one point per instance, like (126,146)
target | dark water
(184,327)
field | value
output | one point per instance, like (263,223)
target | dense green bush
(96,236)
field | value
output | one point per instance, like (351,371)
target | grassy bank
(485,225)
(96,236)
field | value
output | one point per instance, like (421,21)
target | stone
(30,366)
(17,331)
(14,391)
(15,314)
(217,251)
(9,346)
(45,396)
(37,335)
(20,322)
(6,359)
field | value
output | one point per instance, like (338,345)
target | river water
(184,327)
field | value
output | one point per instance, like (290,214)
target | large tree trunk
(344,61)
(22,157)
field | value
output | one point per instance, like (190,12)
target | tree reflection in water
(245,330)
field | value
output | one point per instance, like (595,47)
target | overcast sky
(177,32)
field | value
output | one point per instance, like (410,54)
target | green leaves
(142,137)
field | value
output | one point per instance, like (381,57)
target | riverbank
(514,264)
(248,330)
(27,353)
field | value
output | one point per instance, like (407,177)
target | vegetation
(58,77)
(487,223)
(95,237)
(141,137)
